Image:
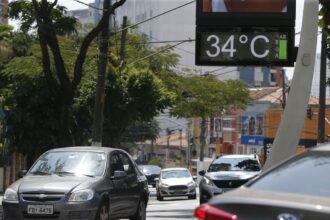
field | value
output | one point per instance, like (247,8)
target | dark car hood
(231,175)
(54,183)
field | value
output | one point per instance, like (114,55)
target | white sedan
(175,182)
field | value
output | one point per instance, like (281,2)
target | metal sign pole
(292,122)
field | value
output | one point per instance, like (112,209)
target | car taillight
(207,212)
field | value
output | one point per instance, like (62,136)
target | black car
(151,172)
(296,189)
(79,183)
(226,173)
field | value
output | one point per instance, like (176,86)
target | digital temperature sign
(245,46)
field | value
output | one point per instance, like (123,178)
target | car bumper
(81,211)
(166,192)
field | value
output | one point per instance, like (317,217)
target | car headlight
(10,195)
(163,184)
(81,195)
(191,184)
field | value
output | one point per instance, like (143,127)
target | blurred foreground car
(174,182)
(226,173)
(79,183)
(151,172)
(296,189)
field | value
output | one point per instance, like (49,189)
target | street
(170,208)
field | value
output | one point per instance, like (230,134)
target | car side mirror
(195,178)
(119,174)
(21,173)
(202,172)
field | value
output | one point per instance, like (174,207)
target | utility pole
(323,79)
(100,86)
(202,139)
(123,43)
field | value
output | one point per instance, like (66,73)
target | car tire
(192,197)
(159,197)
(141,212)
(103,212)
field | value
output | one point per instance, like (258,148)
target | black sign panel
(245,46)
(246,12)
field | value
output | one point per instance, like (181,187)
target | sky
(73,5)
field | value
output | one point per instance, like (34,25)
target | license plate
(40,209)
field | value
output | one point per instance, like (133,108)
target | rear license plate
(40,209)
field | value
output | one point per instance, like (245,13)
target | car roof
(85,148)
(174,168)
(238,156)
(322,147)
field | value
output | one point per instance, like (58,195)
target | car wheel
(192,197)
(141,213)
(103,212)
(159,197)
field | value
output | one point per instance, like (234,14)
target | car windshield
(234,164)
(168,174)
(70,163)
(148,168)
(306,174)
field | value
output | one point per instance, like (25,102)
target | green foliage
(5,33)
(156,162)
(207,96)
(30,118)
(137,95)
(24,11)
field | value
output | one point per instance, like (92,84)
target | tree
(206,97)
(5,39)
(134,95)
(50,22)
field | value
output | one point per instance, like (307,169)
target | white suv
(226,173)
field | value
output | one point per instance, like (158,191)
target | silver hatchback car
(79,183)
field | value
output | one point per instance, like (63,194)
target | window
(309,168)
(115,164)
(127,164)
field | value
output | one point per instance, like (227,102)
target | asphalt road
(179,208)
(171,208)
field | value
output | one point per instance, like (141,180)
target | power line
(156,16)
(89,5)
(158,52)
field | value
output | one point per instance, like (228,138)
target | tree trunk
(63,105)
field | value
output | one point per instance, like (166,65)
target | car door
(133,186)
(118,194)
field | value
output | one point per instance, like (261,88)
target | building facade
(3,11)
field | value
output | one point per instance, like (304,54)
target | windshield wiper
(39,173)
(61,173)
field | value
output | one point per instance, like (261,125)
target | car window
(127,164)
(150,168)
(167,174)
(67,162)
(115,164)
(307,174)
(234,164)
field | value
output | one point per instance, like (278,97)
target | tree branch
(88,39)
